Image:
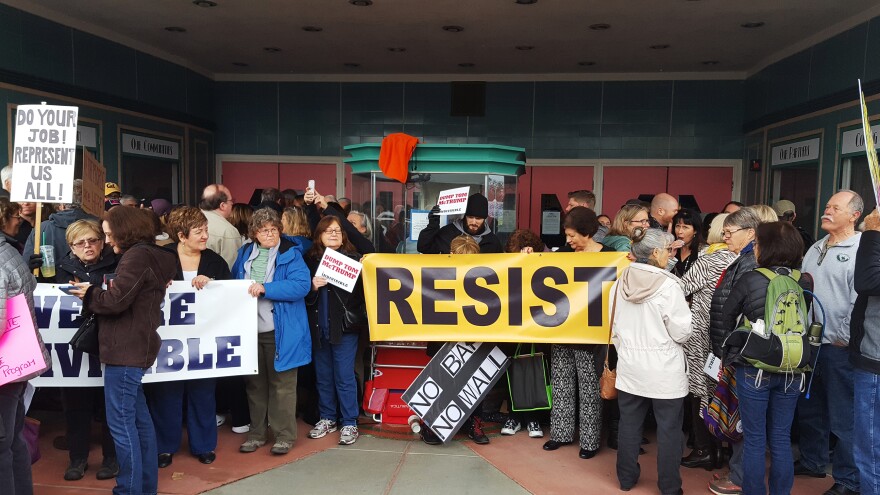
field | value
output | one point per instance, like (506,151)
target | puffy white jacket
(651,323)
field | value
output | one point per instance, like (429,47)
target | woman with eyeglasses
(89,260)
(335,341)
(10,222)
(627,219)
(274,263)
(651,323)
(738,233)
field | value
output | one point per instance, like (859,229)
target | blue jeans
(334,374)
(829,410)
(766,407)
(866,444)
(129,420)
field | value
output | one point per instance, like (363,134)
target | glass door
(798,184)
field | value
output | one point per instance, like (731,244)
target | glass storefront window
(390,204)
(799,184)
(856,176)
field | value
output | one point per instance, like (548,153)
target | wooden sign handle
(37,219)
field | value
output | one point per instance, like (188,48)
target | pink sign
(20,352)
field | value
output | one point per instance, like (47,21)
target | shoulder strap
(770,274)
(611,326)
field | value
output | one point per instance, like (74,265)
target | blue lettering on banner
(179,306)
(170,356)
(198,361)
(226,357)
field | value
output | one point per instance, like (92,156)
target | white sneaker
(220,420)
(511,426)
(348,435)
(323,427)
(241,429)
(535,430)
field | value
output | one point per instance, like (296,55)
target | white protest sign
(339,269)
(712,367)
(208,333)
(44,153)
(453,201)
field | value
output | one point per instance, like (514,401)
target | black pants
(231,396)
(669,414)
(81,405)
(703,440)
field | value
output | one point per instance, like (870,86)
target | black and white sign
(449,388)
(145,146)
(801,151)
(44,154)
(854,141)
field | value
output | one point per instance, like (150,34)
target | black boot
(76,470)
(613,427)
(700,459)
(474,430)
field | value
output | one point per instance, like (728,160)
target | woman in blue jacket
(281,281)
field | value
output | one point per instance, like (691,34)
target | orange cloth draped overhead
(394,155)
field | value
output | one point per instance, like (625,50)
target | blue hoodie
(289,286)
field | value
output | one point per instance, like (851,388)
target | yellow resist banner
(546,297)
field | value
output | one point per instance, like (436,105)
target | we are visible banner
(208,333)
(44,153)
(448,390)
(539,297)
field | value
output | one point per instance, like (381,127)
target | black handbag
(86,337)
(354,317)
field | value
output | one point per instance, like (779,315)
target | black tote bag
(528,381)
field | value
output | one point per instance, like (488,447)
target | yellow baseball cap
(111,187)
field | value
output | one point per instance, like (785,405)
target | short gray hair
(856,203)
(365,221)
(260,218)
(645,241)
(5,174)
(745,218)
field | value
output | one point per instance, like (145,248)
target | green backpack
(784,346)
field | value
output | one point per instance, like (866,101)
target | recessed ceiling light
(240,64)
(659,47)
(526,2)
(600,27)
(205,3)
(453,29)
(175,29)
(396,49)
(466,64)
(587,64)
(272,49)
(352,65)
(752,25)
(313,29)
(361,3)
(525,48)
(709,62)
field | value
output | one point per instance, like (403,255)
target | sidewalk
(385,460)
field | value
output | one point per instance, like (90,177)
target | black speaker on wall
(468,99)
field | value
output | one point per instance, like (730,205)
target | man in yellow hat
(112,193)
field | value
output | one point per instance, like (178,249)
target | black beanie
(477,206)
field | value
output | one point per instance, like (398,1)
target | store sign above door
(144,146)
(801,151)
(854,140)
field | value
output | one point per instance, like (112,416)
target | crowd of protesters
(692,278)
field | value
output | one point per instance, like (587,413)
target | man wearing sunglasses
(831,261)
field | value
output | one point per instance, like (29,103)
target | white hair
(5,174)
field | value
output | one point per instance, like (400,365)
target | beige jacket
(651,323)
(223,238)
